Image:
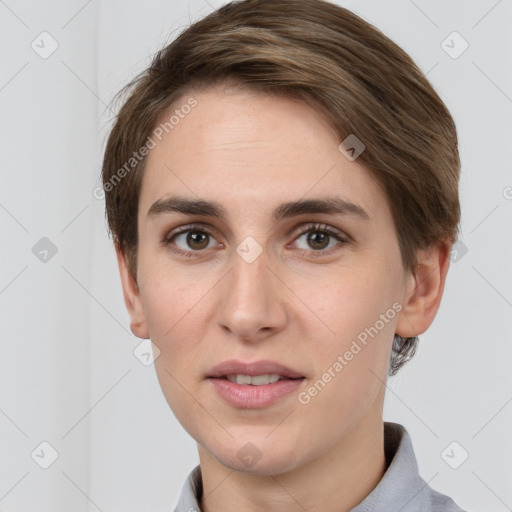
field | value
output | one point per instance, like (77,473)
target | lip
(247,396)
(235,366)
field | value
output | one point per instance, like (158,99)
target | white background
(68,375)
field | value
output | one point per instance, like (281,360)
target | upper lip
(237,367)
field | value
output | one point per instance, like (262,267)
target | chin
(255,458)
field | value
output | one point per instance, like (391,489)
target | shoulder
(442,503)
(403,474)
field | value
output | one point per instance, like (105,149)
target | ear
(424,291)
(132,299)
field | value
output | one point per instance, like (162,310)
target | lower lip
(248,396)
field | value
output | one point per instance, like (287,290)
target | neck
(336,481)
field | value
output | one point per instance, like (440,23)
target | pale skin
(296,304)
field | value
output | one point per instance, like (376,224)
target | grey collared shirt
(401,489)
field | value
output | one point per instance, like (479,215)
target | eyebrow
(327,205)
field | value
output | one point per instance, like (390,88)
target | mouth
(255,372)
(256,380)
(254,385)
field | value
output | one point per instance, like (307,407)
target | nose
(252,305)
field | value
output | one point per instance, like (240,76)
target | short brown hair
(326,55)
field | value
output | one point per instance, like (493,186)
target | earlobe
(424,291)
(132,299)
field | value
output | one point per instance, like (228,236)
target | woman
(282,190)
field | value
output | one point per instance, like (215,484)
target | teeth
(256,380)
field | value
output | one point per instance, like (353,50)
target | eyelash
(320,228)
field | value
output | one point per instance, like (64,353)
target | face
(298,285)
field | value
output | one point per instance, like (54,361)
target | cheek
(352,356)
(176,312)
(175,315)
(350,302)
(350,365)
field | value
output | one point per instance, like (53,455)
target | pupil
(312,239)
(192,239)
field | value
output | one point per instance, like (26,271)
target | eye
(189,240)
(320,237)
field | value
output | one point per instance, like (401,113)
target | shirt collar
(401,488)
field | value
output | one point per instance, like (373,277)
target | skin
(251,152)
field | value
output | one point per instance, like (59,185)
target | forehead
(249,149)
